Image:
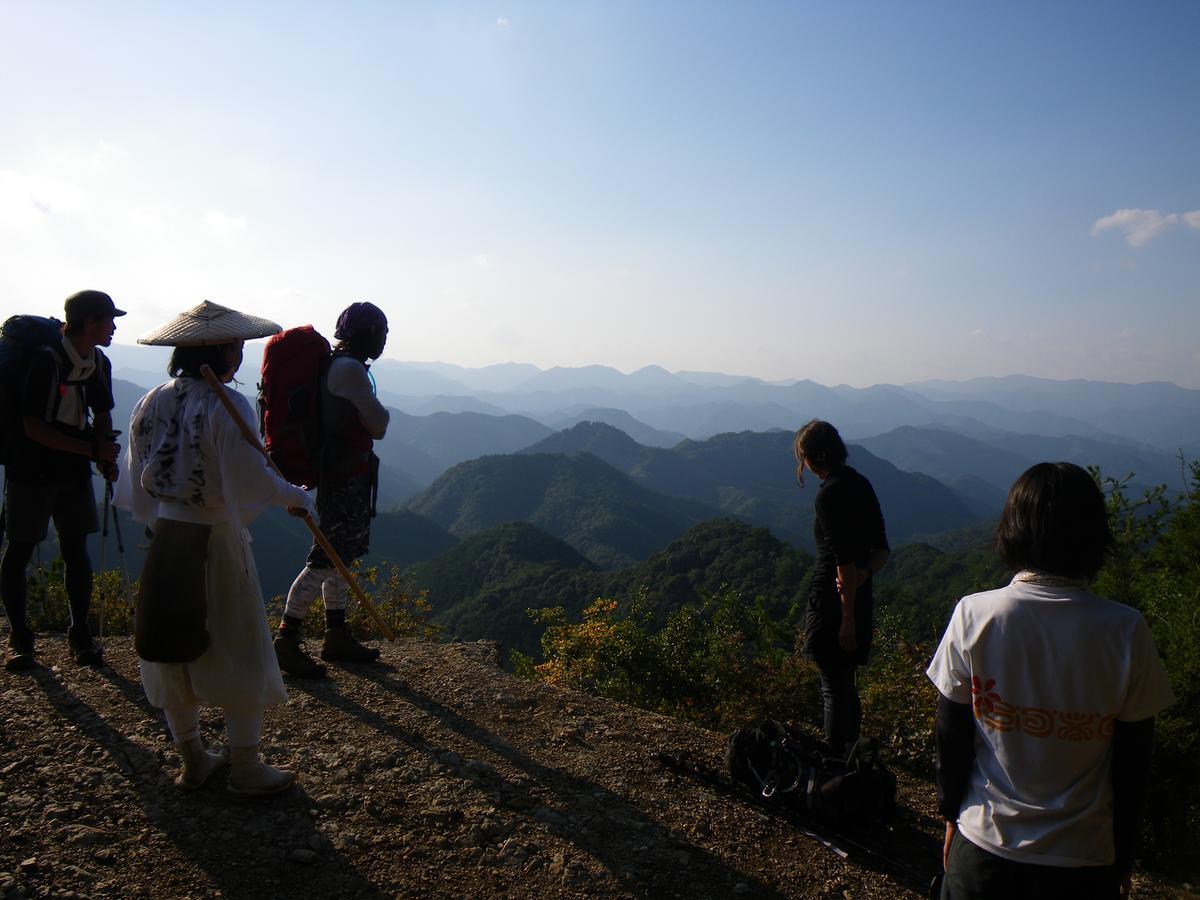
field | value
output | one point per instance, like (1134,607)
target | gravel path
(431,774)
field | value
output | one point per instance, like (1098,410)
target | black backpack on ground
(799,772)
(20,338)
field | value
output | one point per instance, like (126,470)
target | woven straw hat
(207,324)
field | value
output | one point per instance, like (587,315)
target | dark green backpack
(20,338)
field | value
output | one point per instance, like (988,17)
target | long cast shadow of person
(613,838)
(232,868)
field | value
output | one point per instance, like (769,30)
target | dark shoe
(293,660)
(83,650)
(20,653)
(341,645)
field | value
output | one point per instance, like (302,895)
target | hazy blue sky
(845,192)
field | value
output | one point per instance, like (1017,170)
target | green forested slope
(483,587)
(599,511)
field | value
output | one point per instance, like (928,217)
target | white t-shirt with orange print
(1048,670)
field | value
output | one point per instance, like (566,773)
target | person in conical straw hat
(201,629)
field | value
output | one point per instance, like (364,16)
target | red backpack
(289,402)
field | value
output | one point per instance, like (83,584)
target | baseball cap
(90,304)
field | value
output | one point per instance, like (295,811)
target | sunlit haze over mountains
(852,194)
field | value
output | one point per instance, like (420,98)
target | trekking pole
(120,542)
(108,492)
(318,535)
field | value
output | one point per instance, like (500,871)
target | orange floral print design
(998,714)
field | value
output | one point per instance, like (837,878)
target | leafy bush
(404,608)
(1155,567)
(719,664)
(898,701)
(112,595)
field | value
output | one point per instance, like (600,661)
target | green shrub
(405,609)
(899,702)
(721,664)
(113,596)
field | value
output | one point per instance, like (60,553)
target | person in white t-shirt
(1045,722)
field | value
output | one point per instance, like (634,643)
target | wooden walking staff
(318,535)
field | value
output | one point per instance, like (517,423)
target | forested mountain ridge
(486,584)
(596,509)
(751,475)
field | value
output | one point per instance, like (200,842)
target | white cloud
(1141,226)
(503,24)
(978,333)
(482,260)
(28,199)
(223,226)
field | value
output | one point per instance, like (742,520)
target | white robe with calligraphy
(187,460)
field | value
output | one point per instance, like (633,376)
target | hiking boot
(20,653)
(198,763)
(83,650)
(251,777)
(293,660)
(340,645)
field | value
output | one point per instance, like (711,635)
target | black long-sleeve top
(847,526)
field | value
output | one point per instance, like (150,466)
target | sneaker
(20,653)
(340,645)
(289,651)
(83,650)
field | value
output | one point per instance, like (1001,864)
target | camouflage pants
(344,510)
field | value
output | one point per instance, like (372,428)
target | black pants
(973,873)
(839,699)
(77,578)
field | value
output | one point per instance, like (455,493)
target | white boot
(250,777)
(198,763)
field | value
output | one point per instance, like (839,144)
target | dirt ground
(432,773)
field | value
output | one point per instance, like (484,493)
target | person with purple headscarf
(352,420)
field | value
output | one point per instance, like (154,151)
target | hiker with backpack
(350,419)
(852,546)
(201,630)
(1045,717)
(58,424)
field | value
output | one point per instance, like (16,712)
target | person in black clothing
(851,547)
(66,405)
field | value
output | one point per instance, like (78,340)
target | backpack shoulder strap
(99,393)
(54,399)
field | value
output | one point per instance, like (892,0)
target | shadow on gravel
(614,841)
(131,691)
(887,848)
(221,835)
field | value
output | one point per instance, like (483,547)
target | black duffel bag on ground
(799,772)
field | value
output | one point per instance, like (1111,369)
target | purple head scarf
(358,317)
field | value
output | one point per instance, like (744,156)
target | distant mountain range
(980,470)
(510,487)
(700,404)
(630,462)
